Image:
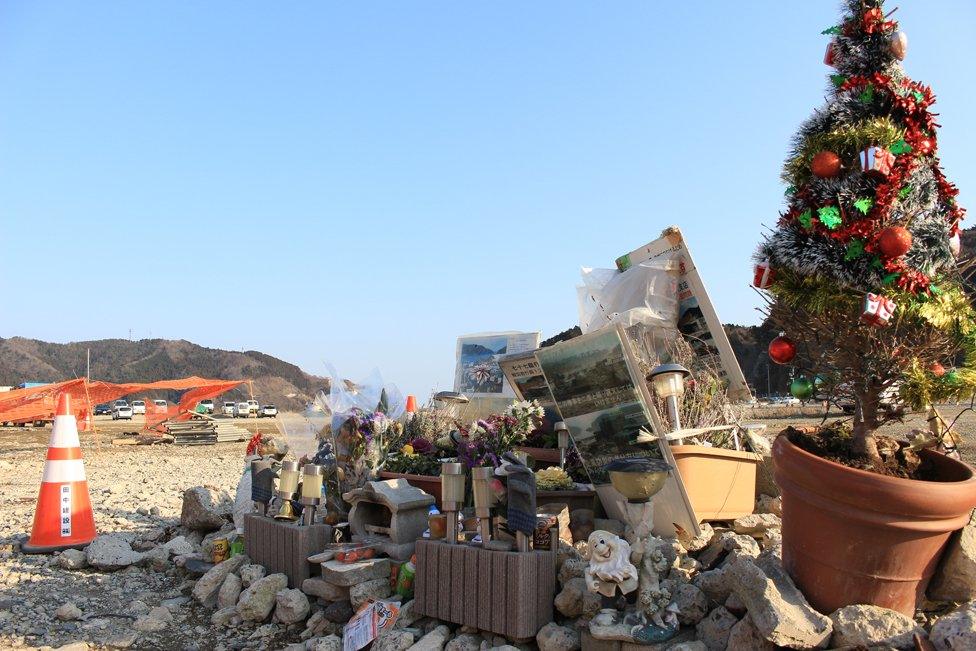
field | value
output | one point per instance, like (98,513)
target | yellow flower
(407,450)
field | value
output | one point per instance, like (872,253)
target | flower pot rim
(888,480)
(710,451)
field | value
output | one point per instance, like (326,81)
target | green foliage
(811,293)
(414,464)
(829,216)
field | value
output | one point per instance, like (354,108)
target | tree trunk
(865,424)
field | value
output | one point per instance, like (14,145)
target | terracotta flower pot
(857,537)
(721,484)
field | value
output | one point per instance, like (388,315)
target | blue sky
(359,183)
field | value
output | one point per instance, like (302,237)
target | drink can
(220,550)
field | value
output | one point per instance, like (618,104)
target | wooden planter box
(426,483)
(284,547)
(545,456)
(507,593)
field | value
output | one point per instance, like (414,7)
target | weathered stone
(363,592)
(778,609)
(725,543)
(291,606)
(407,615)
(955,631)
(755,524)
(111,552)
(316,586)
(205,508)
(257,601)
(699,542)
(715,585)
(317,626)
(181,545)
(395,640)
(68,612)
(328,643)
(208,586)
(72,559)
(769,504)
(553,637)
(350,574)
(735,606)
(251,573)
(715,628)
(572,568)
(575,600)
(691,602)
(157,620)
(873,626)
(157,558)
(745,635)
(955,579)
(229,592)
(122,639)
(466,641)
(581,524)
(433,641)
(339,612)
(223,616)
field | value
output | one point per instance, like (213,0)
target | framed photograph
(603,399)
(477,373)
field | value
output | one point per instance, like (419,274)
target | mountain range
(148,360)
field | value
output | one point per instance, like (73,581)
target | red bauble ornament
(826,164)
(895,241)
(936,369)
(782,350)
(925,146)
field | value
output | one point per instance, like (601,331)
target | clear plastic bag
(646,294)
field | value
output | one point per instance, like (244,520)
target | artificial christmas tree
(865,280)
(868,226)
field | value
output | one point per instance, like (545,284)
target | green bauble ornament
(951,378)
(801,388)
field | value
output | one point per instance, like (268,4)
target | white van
(139,407)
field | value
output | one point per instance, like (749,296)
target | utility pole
(88,363)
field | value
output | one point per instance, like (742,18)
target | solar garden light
(562,440)
(452,497)
(287,487)
(668,382)
(311,491)
(480,478)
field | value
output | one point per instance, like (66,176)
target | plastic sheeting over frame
(38,403)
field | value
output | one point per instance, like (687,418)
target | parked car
(139,407)
(103,409)
(242,410)
(160,406)
(208,406)
(123,412)
(119,403)
(228,409)
(268,411)
(253,406)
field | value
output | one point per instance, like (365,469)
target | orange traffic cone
(64,517)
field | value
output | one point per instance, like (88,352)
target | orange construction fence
(39,403)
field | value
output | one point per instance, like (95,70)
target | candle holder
(311,492)
(287,487)
(480,486)
(562,440)
(262,484)
(452,497)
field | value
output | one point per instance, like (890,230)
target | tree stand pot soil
(856,537)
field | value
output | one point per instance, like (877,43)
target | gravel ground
(137,491)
